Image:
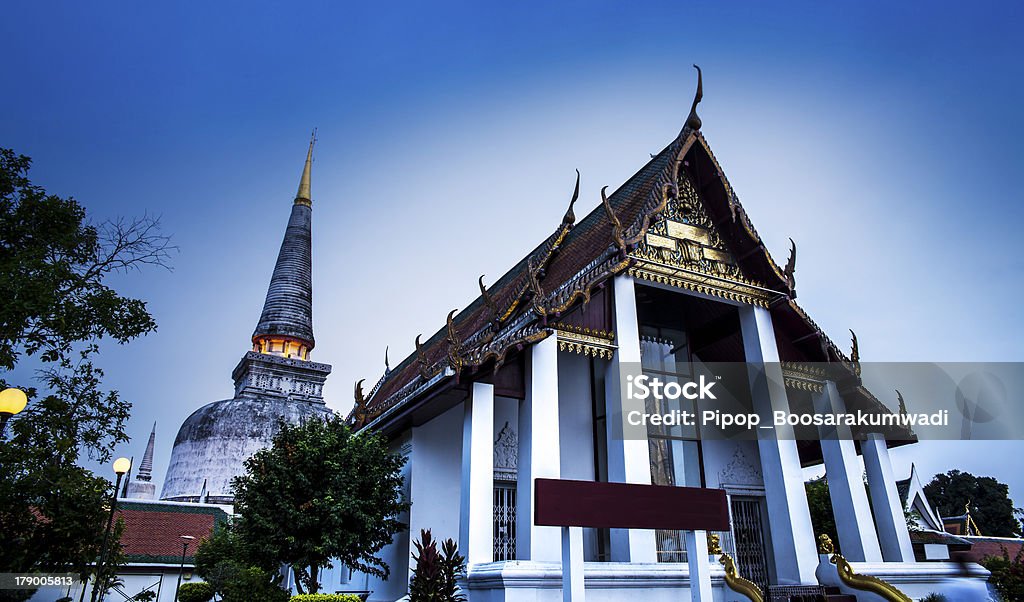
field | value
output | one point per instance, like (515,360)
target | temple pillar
(857,538)
(572,565)
(893,534)
(477,520)
(792,536)
(699,562)
(629,459)
(538,450)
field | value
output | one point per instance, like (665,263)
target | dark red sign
(561,503)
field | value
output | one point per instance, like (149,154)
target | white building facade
(669,279)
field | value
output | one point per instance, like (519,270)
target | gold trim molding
(585,341)
(690,280)
(803,377)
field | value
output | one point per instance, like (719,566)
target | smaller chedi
(275,381)
(141,487)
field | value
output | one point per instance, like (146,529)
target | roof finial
(693,121)
(903,404)
(570,217)
(387,362)
(303,196)
(790,269)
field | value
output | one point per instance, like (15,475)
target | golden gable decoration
(682,248)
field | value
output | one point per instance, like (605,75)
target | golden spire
(303,197)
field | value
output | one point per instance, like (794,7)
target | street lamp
(12,401)
(121,466)
(185,540)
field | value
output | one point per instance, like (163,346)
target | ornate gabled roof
(562,272)
(288,309)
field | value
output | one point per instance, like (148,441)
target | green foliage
(223,559)
(195,592)
(820,505)
(148,596)
(1007,574)
(113,560)
(991,507)
(326,598)
(57,308)
(933,597)
(254,585)
(435,578)
(913,518)
(53,263)
(321,492)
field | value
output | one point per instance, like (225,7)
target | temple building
(666,277)
(274,380)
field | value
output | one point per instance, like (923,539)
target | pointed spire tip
(304,195)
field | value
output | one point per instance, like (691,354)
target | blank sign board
(563,503)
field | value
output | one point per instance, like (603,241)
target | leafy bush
(933,597)
(1007,574)
(326,598)
(146,596)
(435,578)
(195,592)
(253,585)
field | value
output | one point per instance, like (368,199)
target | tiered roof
(564,271)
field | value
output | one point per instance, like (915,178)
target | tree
(225,561)
(195,592)
(820,505)
(435,578)
(1007,574)
(321,492)
(57,308)
(990,504)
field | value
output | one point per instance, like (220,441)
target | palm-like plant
(435,578)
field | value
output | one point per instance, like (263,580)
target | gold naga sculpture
(738,584)
(856,580)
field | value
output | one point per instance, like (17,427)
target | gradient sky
(884,138)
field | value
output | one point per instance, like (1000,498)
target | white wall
(433,476)
(576,426)
(395,554)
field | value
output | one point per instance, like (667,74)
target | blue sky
(885,139)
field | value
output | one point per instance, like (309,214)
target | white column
(538,450)
(857,538)
(476,522)
(893,534)
(629,459)
(699,562)
(572,565)
(792,536)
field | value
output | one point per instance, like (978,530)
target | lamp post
(121,466)
(185,540)
(12,401)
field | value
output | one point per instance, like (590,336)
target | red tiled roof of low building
(152,531)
